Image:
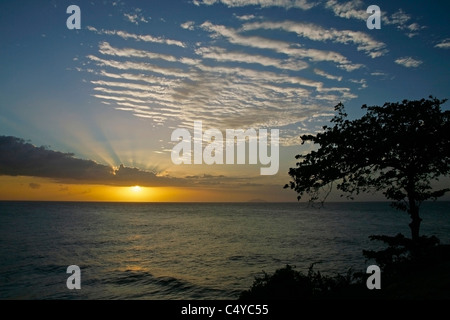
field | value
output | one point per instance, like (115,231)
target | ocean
(192,251)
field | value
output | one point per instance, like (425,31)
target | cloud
(348,10)
(20,158)
(401,20)
(362,82)
(408,62)
(189,25)
(444,44)
(246,17)
(283,47)
(135,17)
(221,95)
(154,80)
(130,85)
(378,74)
(137,37)
(315,32)
(257,82)
(287,4)
(327,75)
(414,28)
(220,54)
(106,49)
(131,65)
(356,9)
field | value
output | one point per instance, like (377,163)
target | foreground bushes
(408,271)
(288,283)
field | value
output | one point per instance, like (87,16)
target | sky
(89,114)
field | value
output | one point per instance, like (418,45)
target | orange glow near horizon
(137,194)
(41,189)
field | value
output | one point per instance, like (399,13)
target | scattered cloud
(246,17)
(135,17)
(189,25)
(221,54)
(327,75)
(378,74)
(356,9)
(414,29)
(287,4)
(106,49)
(363,41)
(348,10)
(146,38)
(362,82)
(234,37)
(401,20)
(241,74)
(131,65)
(223,95)
(408,62)
(444,44)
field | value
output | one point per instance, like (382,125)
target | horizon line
(206,202)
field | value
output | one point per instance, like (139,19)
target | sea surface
(168,251)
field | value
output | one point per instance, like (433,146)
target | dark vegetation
(399,149)
(407,272)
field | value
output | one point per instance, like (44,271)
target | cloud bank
(20,158)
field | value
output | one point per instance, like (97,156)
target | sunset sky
(88,114)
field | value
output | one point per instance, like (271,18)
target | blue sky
(114,90)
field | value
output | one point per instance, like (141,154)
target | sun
(136,193)
(136,189)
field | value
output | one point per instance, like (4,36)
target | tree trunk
(415,219)
(413,208)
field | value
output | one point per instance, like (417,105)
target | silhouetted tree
(399,149)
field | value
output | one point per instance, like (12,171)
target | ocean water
(167,251)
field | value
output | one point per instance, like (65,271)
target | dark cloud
(21,158)
(33,185)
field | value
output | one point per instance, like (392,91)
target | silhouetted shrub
(287,283)
(409,270)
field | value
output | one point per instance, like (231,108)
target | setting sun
(136,189)
(137,193)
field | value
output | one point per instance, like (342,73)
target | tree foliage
(398,149)
(403,252)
